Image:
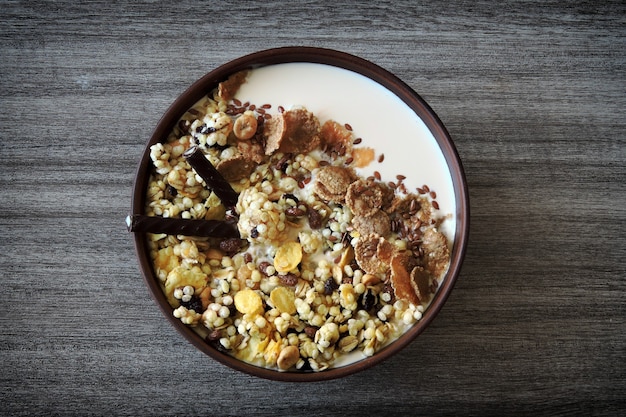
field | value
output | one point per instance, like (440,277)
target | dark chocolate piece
(214,180)
(185,227)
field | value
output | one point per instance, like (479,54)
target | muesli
(300,261)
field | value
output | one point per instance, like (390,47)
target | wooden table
(534,96)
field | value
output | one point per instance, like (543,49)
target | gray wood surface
(534,96)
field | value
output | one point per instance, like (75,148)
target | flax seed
(433,194)
(347,126)
(381,157)
(377,175)
(357,141)
(435,205)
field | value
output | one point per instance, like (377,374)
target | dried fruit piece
(284,300)
(368,300)
(335,137)
(248,302)
(362,157)
(288,256)
(245,126)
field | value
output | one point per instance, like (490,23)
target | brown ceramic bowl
(360,67)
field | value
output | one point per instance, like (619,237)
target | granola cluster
(328,262)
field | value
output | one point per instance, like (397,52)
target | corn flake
(288,256)
(284,300)
(248,302)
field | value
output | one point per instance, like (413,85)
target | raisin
(263,268)
(315,219)
(184,126)
(170,191)
(306,367)
(387,288)
(231,246)
(204,129)
(231,215)
(218,346)
(194,304)
(368,300)
(289,196)
(310,331)
(330,285)
(215,334)
(289,279)
(294,212)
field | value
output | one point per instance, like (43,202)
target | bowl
(407,150)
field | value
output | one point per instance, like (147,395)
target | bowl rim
(306,54)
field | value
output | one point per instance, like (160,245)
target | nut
(288,357)
(370,279)
(348,343)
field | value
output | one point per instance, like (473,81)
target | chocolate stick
(211,176)
(186,227)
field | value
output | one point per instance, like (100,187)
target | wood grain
(533,94)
